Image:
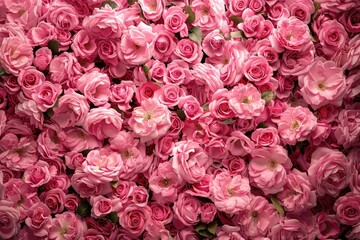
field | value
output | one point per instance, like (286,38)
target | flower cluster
(179,119)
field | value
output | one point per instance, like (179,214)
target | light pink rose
(134,219)
(41,34)
(188,51)
(245,101)
(29,79)
(136,45)
(161,213)
(28,109)
(187,209)
(65,68)
(327,226)
(230,194)
(253,25)
(150,120)
(257,70)
(103,165)
(72,202)
(107,51)
(174,20)
(78,139)
(277,11)
(46,95)
(238,144)
(207,15)
(268,168)
(152,9)
(39,219)
(84,184)
(63,16)
(103,123)
(146,91)
(2,121)
(229,232)
(68,221)
(347,209)
(337,5)
(347,131)
(216,148)
(349,20)
(295,63)
(352,58)
(332,36)
(101,206)
(72,110)
(265,137)
(207,212)
(190,161)
(353,84)
(208,75)
(264,49)
(157,71)
(10,221)
(39,174)
(296,124)
(84,46)
(95,86)
(329,171)
(292,34)
(219,105)
(122,94)
(302,9)
(140,196)
(258,218)
(177,72)
(169,95)
(237,7)
(257,5)
(191,107)
(23,13)
(64,38)
(15,54)
(213,44)
(42,58)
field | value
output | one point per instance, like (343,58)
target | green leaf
(146,71)
(200,227)
(113,217)
(131,1)
(112,4)
(195,34)
(114,184)
(3,72)
(205,106)
(212,227)
(54,46)
(208,231)
(227,121)
(237,34)
(262,125)
(268,96)
(49,112)
(84,209)
(236,19)
(278,206)
(181,114)
(191,17)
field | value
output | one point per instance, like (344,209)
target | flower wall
(179,119)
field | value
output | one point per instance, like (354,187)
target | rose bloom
(323,84)
(103,165)
(191,107)
(84,46)
(152,9)
(83,183)
(72,109)
(229,232)
(42,58)
(164,43)
(187,209)
(169,94)
(136,44)
(329,171)
(67,226)
(327,226)
(103,122)
(296,62)
(63,16)
(150,120)
(347,131)
(213,44)
(41,34)
(207,15)
(208,75)
(238,144)
(292,34)
(174,20)
(258,218)
(30,78)
(349,20)
(15,54)
(134,219)
(122,94)
(347,209)
(46,94)
(230,194)
(298,194)
(219,105)
(190,161)
(296,124)
(245,101)
(102,206)
(265,137)
(189,51)
(65,68)
(39,219)
(268,168)
(95,86)
(257,70)
(161,213)
(332,36)
(39,174)
(10,224)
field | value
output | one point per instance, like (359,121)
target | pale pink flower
(296,124)
(67,226)
(39,174)
(245,101)
(134,219)
(102,206)
(238,144)
(187,209)
(10,221)
(46,95)
(39,219)
(150,120)
(268,168)
(152,9)
(265,137)
(230,193)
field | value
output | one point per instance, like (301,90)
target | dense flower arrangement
(179,119)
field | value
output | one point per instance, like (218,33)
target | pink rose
(103,123)
(39,219)
(150,120)
(253,25)
(277,11)
(352,58)
(122,94)
(25,14)
(349,20)
(296,62)
(337,5)
(268,168)
(78,139)
(10,221)
(136,45)
(83,183)
(329,171)
(174,20)
(229,232)
(296,124)
(177,72)
(103,165)
(102,206)
(29,79)
(42,58)
(134,219)
(72,202)
(63,16)
(161,213)
(327,226)
(188,51)
(301,9)
(39,174)
(164,43)
(216,148)
(207,15)
(15,54)
(347,131)
(347,209)
(191,107)
(292,34)
(213,44)
(219,105)
(190,161)
(71,223)
(332,36)
(208,75)
(104,23)
(230,194)
(107,51)
(265,137)
(169,95)
(237,7)
(158,71)
(2,121)
(257,70)
(152,9)
(245,101)
(207,212)
(187,209)
(65,68)
(145,91)
(164,146)
(46,95)
(54,199)
(95,86)
(84,46)
(72,110)
(41,34)
(238,144)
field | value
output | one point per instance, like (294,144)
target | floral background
(179,119)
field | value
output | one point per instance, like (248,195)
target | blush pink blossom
(164,43)
(191,107)
(39,219)
(174,20)
(189,51)
(39,174)
(134,219)
(265,137)
(347,209)
(46,95)
(152,9)
(187,209)
(230,194)
(238,144)
(42,58)
(67,226)
(10,221)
